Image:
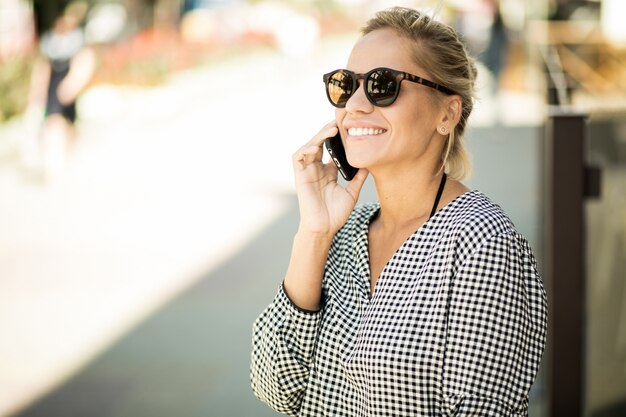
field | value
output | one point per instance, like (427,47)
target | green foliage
(14,85)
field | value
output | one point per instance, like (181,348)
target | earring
(443,130)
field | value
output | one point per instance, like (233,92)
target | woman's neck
(406,200)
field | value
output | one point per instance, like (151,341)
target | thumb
(356,184)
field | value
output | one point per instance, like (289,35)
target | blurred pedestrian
(65,67)
(497,47)
(426,303)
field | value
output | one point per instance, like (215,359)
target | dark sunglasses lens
(382,87)
(339,88)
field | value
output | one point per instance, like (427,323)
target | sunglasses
(382,85)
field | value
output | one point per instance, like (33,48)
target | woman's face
(403,134)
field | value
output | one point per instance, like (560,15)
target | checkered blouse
(456,325)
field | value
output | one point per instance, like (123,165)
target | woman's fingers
(307,155)
(312,150)
(330,129)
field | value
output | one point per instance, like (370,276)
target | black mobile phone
(338,155)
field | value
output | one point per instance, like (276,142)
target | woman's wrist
(314,238)
(303,281)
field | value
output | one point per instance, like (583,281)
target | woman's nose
(358,102)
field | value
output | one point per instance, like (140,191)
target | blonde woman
(425,303)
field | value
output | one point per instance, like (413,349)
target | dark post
(565,266)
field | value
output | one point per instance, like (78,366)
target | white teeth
(360,131)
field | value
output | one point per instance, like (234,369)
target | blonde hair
(440,51)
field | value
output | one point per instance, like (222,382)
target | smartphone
(338,155)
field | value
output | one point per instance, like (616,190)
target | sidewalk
(128,287)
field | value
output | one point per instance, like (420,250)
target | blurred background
(143,230)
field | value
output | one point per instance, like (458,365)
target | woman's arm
(39,80)
(82,67)
(496,330)
(285,334)
(324,208)
(283,345)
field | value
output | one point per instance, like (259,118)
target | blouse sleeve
(283,342)
(497,323)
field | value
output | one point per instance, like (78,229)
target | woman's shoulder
(358,221)
(473,220)
(362,214)
(473,212)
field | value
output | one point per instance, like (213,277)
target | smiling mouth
(360,131)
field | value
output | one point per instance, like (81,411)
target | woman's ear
(452,109)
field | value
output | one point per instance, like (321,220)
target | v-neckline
(365,257)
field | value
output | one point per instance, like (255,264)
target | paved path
(128,286)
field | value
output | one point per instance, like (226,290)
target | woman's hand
(324,204)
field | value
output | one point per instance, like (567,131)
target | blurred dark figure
(497,48)
(65,67)
(484,33)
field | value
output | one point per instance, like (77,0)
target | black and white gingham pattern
(456,325)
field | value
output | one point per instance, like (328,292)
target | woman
(65,68)
(427,303)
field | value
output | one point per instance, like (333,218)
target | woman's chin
(359,160)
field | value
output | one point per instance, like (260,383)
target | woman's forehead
(382,48)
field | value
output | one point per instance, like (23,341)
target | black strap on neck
(442,184)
